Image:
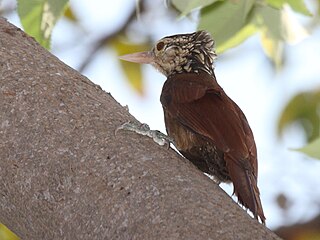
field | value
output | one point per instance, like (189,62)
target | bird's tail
(246,189)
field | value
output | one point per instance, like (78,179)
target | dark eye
(160,46)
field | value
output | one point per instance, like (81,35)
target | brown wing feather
(201,105)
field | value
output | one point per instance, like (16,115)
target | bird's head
(181,53)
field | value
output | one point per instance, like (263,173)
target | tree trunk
(65,175)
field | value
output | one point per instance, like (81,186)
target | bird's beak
(139,57)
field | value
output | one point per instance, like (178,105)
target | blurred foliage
(272,30)
(303,110)
(132,71)
(296,5)
(186,6)
(312,149)
(283,202)
(309,230)
(38,17)
(232,22)
(69,14)
(224,19)
(6,234)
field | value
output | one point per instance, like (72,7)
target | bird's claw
(145,130)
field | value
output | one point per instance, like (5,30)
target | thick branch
(64,175)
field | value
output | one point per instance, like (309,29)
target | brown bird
(207,127)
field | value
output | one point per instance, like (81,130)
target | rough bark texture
(65,175)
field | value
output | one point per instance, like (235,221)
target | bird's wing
(202,106)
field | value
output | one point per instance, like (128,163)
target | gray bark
(65,175)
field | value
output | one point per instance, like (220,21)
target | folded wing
(202,106)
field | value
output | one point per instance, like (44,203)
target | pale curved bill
(139,57)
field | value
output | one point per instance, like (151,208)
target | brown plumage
(208,128)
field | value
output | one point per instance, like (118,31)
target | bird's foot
(145,130)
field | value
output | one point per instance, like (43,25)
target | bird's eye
(160,46)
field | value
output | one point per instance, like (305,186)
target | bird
(207,127)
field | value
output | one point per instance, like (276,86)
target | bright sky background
(244,73)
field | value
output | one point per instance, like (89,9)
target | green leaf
(276,3)
(280,24)
(224,19)
(186,6)
(276,27)
(6,234)
(273,48)
(69,14)
(269,19)
(297,5)
(132,71)
(312,149)
(237,39)
(302,110)
(38,17)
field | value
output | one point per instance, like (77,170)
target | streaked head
(179,53)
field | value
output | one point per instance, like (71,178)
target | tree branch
(65,175)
